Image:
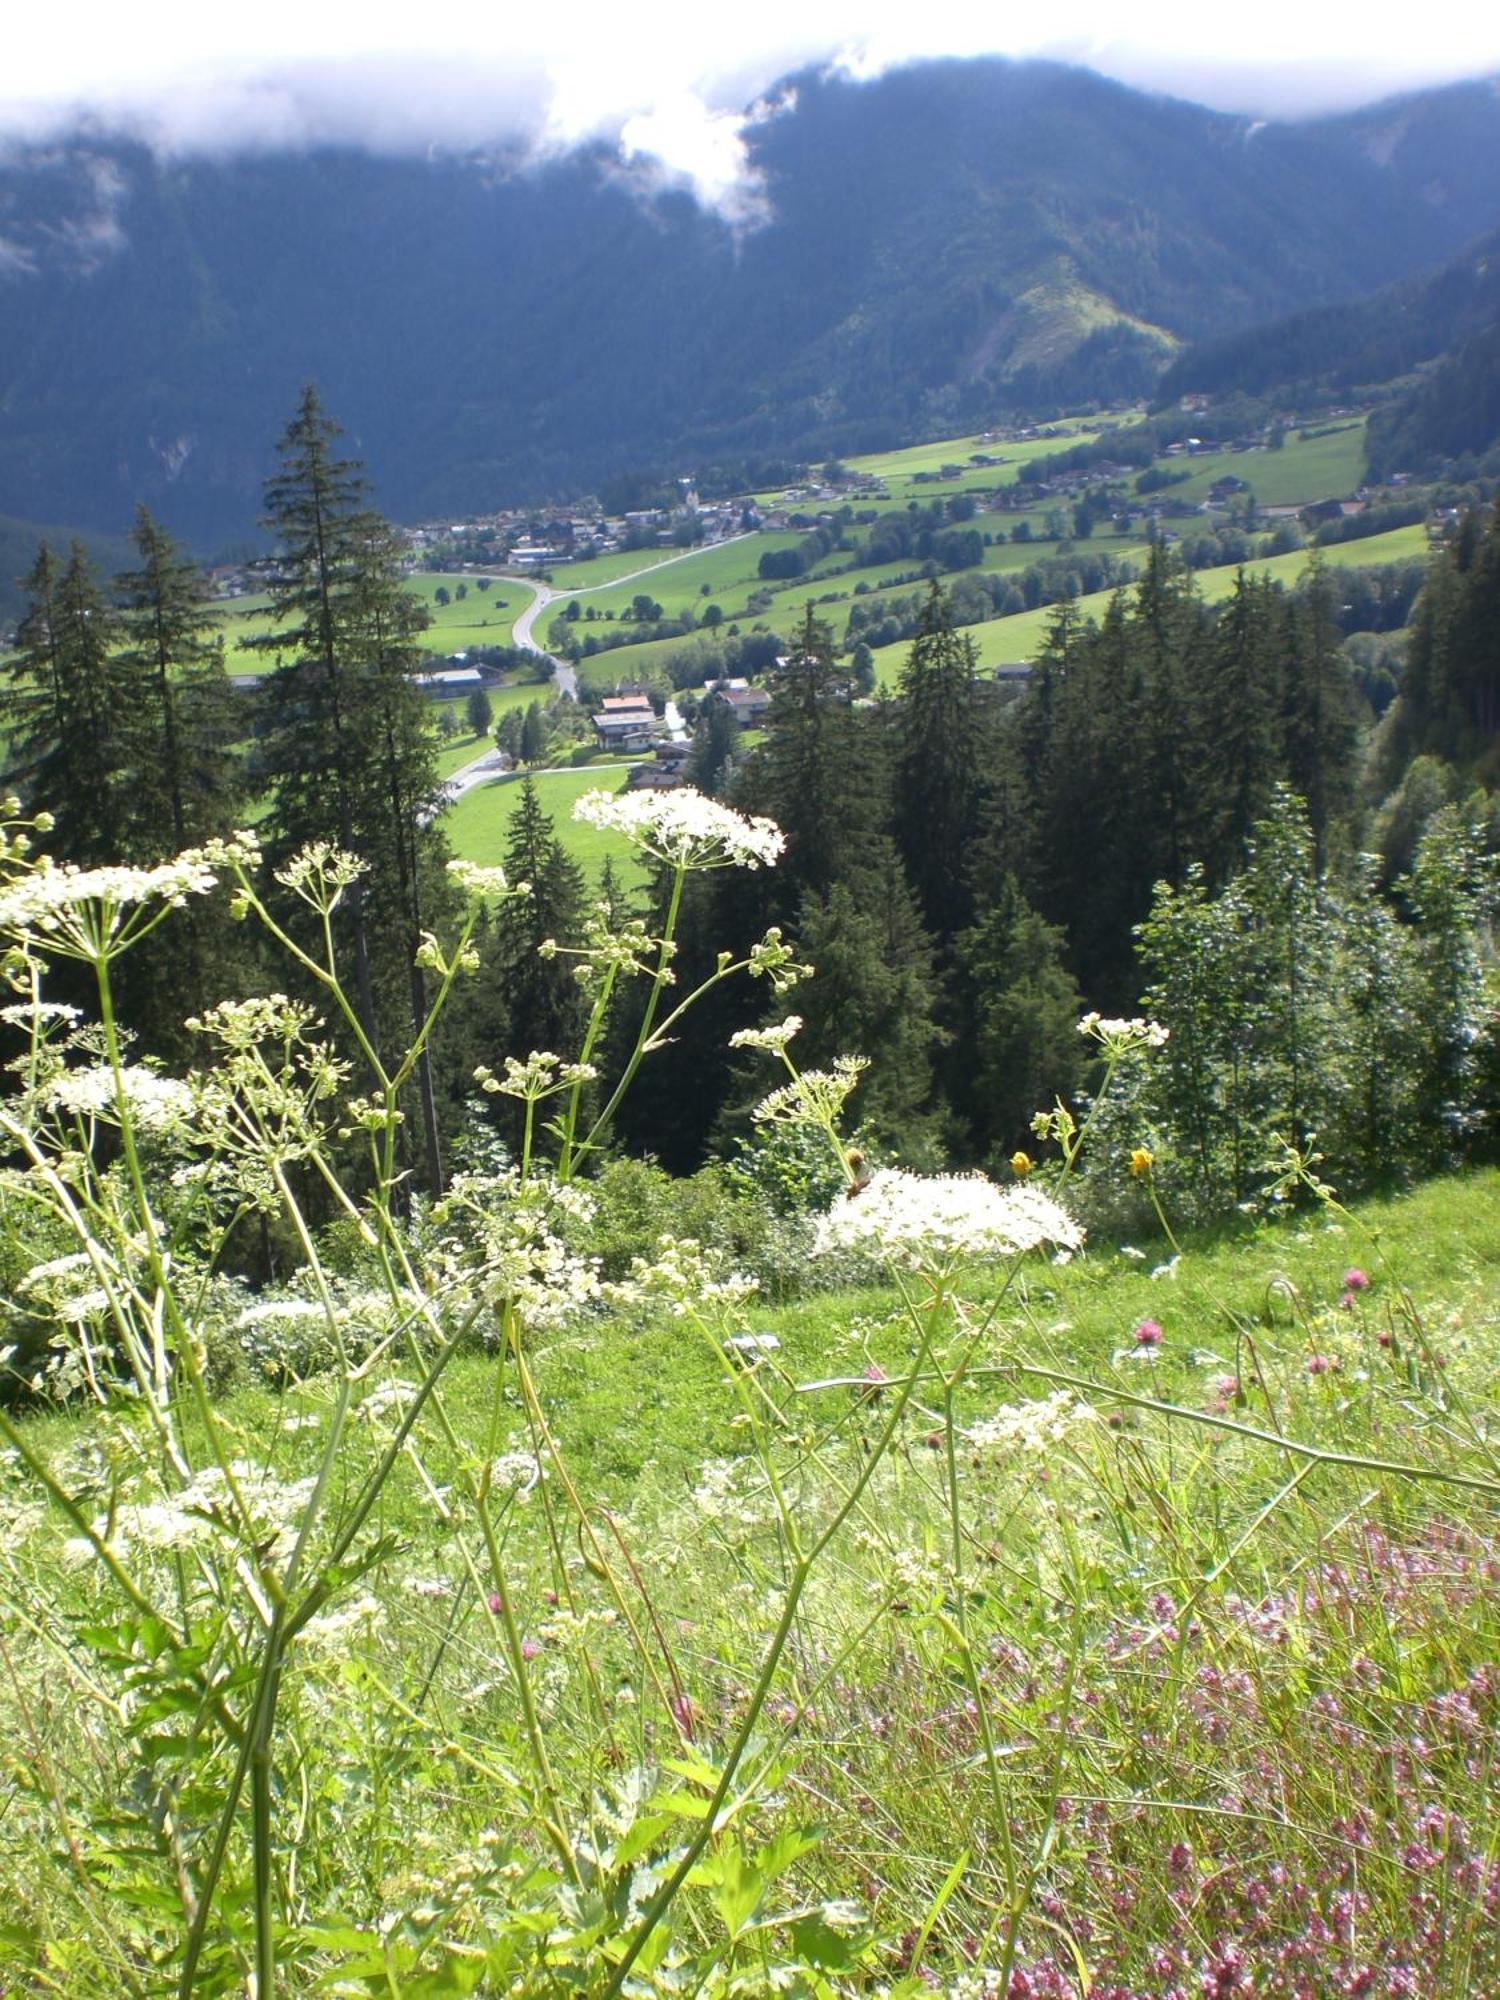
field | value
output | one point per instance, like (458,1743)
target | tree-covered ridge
(943,244)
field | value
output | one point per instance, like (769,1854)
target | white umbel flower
(156,1103)
(774,1039)
(925,1221)
(684,828)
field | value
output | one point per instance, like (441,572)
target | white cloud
(668,78)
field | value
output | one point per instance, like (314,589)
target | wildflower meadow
(924,1589)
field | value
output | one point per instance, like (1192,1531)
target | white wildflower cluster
(1117,1037)
(40,1016)
(84,912)
(541,1075)
(1034,1427)
(73,1289)
(936,1220)
(264,1098)
(332,1631)
(515,1474)
(246,1024)
(733,1493)
(774,1040)
(291,1335)
(510,1244)
(153,1102)
(320,873)
(388,1401)
(684,828)
(816,1097)
(206,1508)
(580,1632)
(682,1278)
(771,957)
(613,943)
(482,885)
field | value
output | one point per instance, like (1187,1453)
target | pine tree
(1020,1050)
(818,773)
(542,1004)
(70,711)
(189,784)
(350,750)
(1317,707)
(939,761)
(1240,698)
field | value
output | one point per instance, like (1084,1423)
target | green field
(1006,641)
(484,618)
(478,824)
(728,568)
(1304,470)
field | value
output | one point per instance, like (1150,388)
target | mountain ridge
(945,243)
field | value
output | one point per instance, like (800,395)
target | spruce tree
(540,1002)
(189,783)
(939,761)
(350,749)
(70,711)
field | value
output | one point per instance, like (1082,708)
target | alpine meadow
(750,1166)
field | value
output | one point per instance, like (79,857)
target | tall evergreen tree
(819,774)
(71,708)
(350,749)
(1318,707)
(939,764)
(189,784)
(540,1002)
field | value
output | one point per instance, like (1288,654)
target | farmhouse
(625,722)
(745,703)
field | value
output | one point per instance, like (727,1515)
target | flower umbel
(943,1219)
(683,828)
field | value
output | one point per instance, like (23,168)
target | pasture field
(478,824)
(1005,641)
(729,569)
(598,572)
(1305,469)
(483,618)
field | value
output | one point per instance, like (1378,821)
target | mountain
(935,247)
(1441,330)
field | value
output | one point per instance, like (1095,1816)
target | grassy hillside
(1148,1622)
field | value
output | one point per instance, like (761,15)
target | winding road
(488,768)
(564,676)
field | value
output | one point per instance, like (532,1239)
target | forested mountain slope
(943,243)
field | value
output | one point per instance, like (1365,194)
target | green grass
(1005,641)
(1153,1677)
(484,618)
(478,824)
(728,568)
(1304,470)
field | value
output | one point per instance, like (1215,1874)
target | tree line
(966,871)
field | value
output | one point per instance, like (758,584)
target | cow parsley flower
(942,1219)
(774,1039)
(1035,1426)
(684,828)
(87,912)
(1118,1037)
(156,1103)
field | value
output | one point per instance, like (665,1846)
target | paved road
(564,676)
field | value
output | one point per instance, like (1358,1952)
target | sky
(671,80)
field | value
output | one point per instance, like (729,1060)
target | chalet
(1319,511)
(745,703)
(625,722)
(668,767)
